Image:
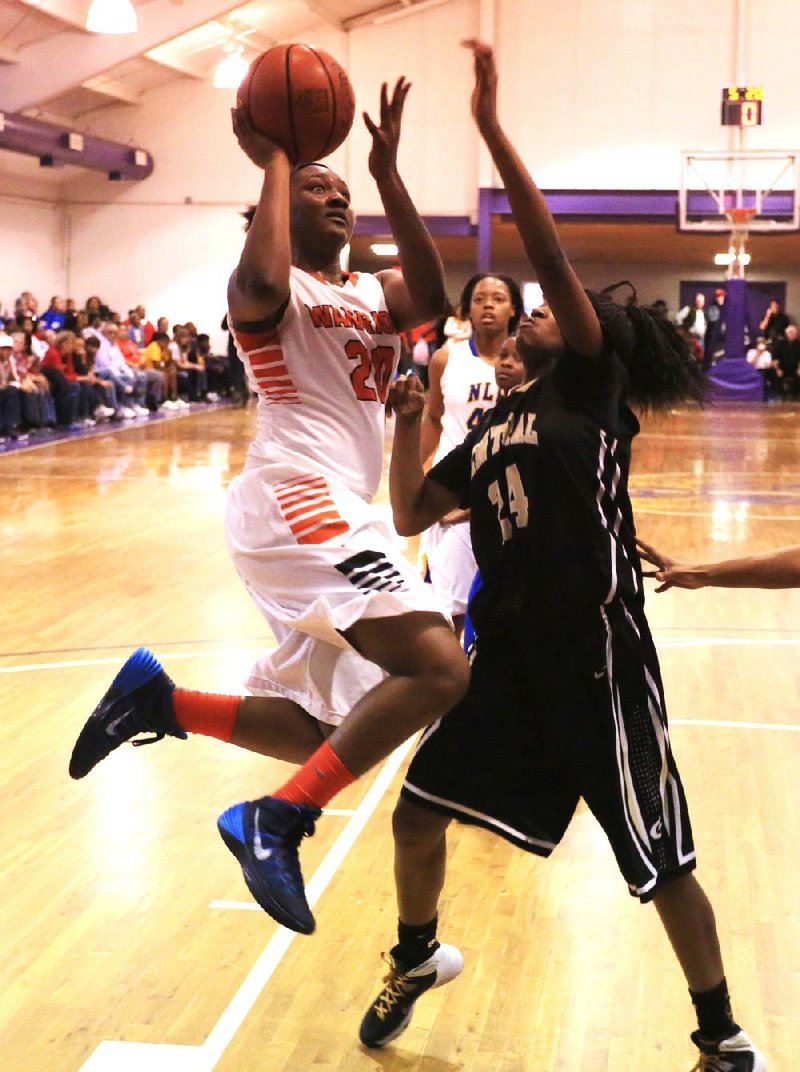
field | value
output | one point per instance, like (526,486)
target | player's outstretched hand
(484,95)
(386,135)
(406,398)
(259,148)
(668,573)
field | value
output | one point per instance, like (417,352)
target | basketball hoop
(741,217)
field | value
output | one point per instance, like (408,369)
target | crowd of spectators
(774,351)
(68,368)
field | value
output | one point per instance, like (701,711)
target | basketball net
(739,218)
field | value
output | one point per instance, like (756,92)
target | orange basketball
(301,98)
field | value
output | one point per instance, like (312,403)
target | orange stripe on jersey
(270,371)
(308,509)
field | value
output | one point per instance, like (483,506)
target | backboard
(757,190)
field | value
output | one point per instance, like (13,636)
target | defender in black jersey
(565,699)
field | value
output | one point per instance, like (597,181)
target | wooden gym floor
(129,940)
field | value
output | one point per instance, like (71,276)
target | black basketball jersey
(545,475)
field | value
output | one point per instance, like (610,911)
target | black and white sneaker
(391,1011)
(734,1054)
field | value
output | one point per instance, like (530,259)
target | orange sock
(206,713)
(319,779)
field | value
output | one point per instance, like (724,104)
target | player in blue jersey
(565,699)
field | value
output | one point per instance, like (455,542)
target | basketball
(300,98)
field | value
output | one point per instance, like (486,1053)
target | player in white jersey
(462,387)
(358,632)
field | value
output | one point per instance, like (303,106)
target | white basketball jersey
(469,389)
(321,377)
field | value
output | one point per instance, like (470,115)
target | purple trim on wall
(32,137)
(634,206)
(445,226)
(483,260)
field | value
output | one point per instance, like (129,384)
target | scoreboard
(741,106)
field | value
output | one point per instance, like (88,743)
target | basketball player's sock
(714,1016)
(206,713)
(319,779)
(415,943)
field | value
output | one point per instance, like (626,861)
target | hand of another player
(484,95)
(386,136)
(406,398)
(259,148)
(668,572)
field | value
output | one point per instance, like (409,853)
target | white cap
(5,340)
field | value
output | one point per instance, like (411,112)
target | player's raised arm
(259,284)
(416,500)
(417,294)
(431,430)
(562,289)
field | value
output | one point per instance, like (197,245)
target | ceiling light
(384,249)
(112,17)
(724,260)
(231,69)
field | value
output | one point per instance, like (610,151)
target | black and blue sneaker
(138,701)
(264,836)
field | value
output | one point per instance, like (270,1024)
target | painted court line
(116,660)
(138,1056)
(717,723)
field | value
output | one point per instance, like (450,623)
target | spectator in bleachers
(71,316)
(134,329)
(95,305)
(129,384)
(196,367)
(774,322)
(10,412)
(66,343)
(760,358)
(66,393)
(216,366)
(149,330)
(240,391)
(692,318)
(158,356)
(103,395)
(26,305)
(179,348)
(786,353)
(109,404)
(714,342)
(38,409)
(154,389)
(52,319)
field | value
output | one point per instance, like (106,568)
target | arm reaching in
(417,293)
(771,569)
(416,500)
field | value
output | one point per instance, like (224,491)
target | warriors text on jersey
(468,390)
(545,475)
(321,376)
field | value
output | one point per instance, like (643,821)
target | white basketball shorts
(451,567)
(316,558)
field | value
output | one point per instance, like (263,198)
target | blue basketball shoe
(264,836)
(139,700)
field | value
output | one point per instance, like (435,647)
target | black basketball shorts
(549,720)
